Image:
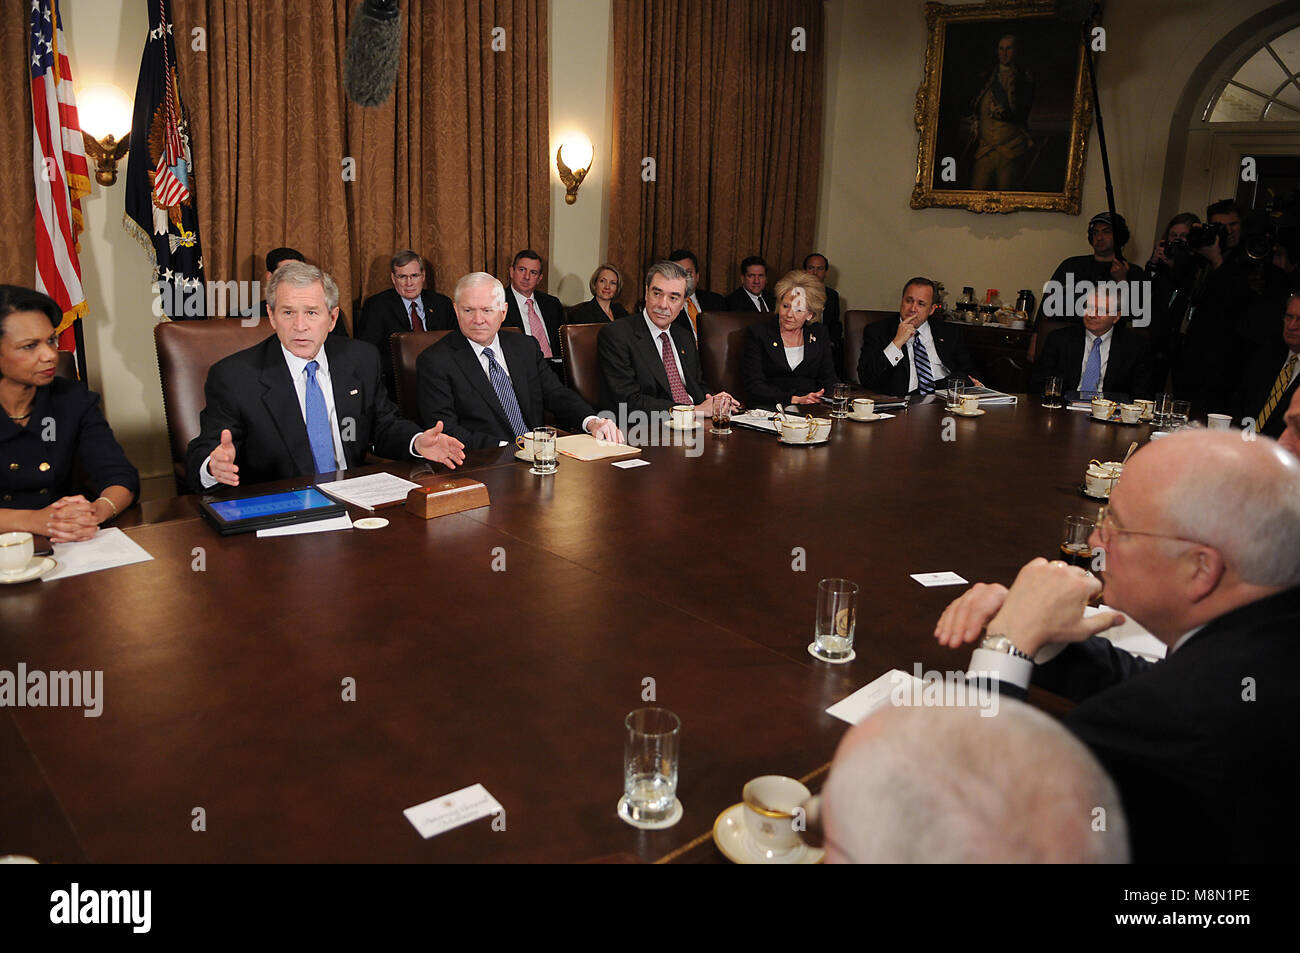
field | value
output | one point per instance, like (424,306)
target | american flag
(59,164)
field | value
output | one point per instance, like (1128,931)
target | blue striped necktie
(505,393)
(319,433)
(924,377)
(1091,383)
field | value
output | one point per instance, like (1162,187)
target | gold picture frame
(1004,109)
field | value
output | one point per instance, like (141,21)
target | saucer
(737,846)
(524,455)
(38,567)
(673,817)
(812,646)
(802,443)
(974,413)
(672,426)
(1083,490)
(866,418)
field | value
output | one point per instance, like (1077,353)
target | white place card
(312,526)
(939,579)
(629,464)
(872,696)
(452,810)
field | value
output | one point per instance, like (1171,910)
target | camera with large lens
(1205,234)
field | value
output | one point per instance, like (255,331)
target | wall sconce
(105,111)
(573,160)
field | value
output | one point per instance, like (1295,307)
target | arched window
(1266,88)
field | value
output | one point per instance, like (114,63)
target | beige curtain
(453,165)
(731,114)
(18,197)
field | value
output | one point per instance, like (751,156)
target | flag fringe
(79,310)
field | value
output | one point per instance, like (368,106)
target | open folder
(583,446)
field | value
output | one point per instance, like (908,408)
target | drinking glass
(956,390)
(837,611)
(721,417)
(1075,548)
(1164,409)
(545,458)
(840,400)
(1179,413)
(1052,393)
(651,748)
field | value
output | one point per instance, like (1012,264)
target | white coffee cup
(525,442)
(970,404)
(772,804)
(1148,408)
(1100,477)
(792,430)
(683,415)
(16,551)
(1218,421)
(1102,408)
(1130,413)
(863,407)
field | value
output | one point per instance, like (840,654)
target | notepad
(583,446)
(371,491)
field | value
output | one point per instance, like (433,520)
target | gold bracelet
(110,503)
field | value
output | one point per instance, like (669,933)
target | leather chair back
(186,350)
(722,343)
(406,348)
(581,365)
(1045,327)
(855,326)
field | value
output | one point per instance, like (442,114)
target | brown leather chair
(722,344)
(1045,327)
(855,326)
(581,365)
(67,366)
(186,350)
(406,347)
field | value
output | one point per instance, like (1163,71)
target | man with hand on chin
(913,354)
(304,401)
(649,363)
(1200,542)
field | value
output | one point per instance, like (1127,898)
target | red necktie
(680,396)
(416,323)
(539,332)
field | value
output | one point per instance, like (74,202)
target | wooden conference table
(223,687)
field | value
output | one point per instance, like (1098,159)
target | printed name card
(452,810)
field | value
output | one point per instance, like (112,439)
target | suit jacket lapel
(467,360)
(521,368)
(347,406)
(650,351)
(281,400)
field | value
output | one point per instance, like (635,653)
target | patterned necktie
(539,332)
(319,433)
(1279,388)
(416,323)
(680,396)
(1091,383)
(762,303)
(505,393)
(924,376)
(692,312)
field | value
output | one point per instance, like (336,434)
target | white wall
(875,62)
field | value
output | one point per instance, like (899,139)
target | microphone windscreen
(374,46)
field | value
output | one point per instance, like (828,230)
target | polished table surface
(223,687)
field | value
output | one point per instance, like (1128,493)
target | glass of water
(840,400)
(956,391)
(651,748)
(545,458)
(837,612)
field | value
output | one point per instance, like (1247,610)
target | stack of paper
(369,492)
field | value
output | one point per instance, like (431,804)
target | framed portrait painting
(1004,109)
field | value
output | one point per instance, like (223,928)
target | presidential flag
(59,164)
(160,212)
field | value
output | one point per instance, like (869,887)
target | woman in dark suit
(606,284)
(788,358)
(52,433)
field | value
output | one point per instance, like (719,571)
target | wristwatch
(1000,643)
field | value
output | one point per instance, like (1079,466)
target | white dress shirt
(758,300)
(1088,339)
(655,331)
(794,356)
(298,373)
(894,354)
(500,358)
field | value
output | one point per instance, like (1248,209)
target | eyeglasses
(1106,527)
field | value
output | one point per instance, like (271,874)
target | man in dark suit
(1272,377)
(1097,356)
(648,360)
(538,314)
(302,402)
(407,306)
(489,388)
(752,295)
(1199,543)
(912,354)
(817,265)
(697,299)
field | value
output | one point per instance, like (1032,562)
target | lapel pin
(352,393)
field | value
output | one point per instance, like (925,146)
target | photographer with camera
(1106,263)
(1176,275)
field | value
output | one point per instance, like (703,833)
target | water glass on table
(1053,396)
(837,612)
(721,416)
(545,456)
(651,749)
(956,391)
(840,400)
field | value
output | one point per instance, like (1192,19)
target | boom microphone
(374,45)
